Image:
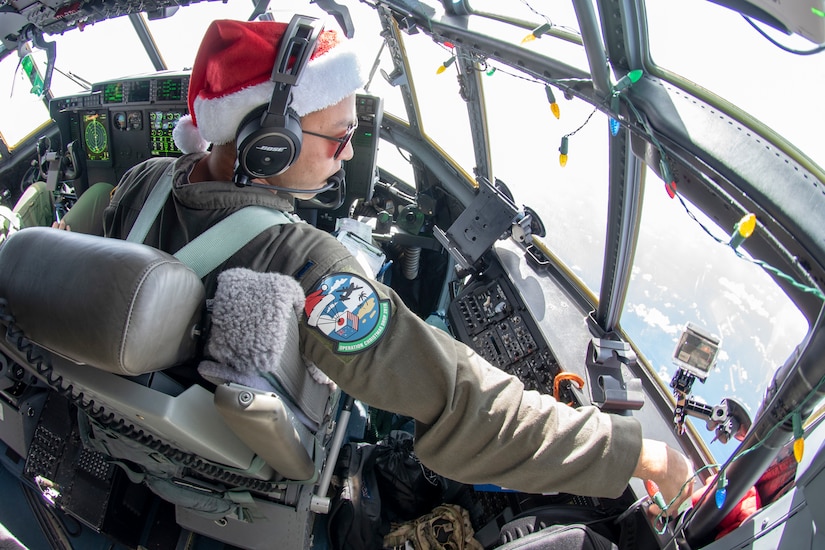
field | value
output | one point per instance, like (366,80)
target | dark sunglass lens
(346,139)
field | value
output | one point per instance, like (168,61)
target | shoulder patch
(346,309)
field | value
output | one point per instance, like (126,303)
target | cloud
(654,318)
(736,293)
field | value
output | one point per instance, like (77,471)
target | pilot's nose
(348,152)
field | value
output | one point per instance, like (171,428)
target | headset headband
(297,45)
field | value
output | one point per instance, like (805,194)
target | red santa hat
(231,77)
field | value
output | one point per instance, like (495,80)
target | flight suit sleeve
(474,422)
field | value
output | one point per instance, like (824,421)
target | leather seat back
(122,307)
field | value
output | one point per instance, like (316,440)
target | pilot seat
(107,326)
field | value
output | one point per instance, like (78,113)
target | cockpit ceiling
(55,17)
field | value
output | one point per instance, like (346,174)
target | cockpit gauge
(135,120)
(95,137)
(120,121)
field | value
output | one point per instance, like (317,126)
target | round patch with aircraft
(347,310)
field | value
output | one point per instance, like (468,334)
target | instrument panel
(123,122)
(488,316)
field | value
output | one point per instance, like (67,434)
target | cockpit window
(444,120)
(550,31)
(732,59)
(561,15)
(178,49)
(23,111)
(88,56)
(704,282)
(525,138)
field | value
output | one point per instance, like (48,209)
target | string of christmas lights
(563,148)
(741,232)
(546,27)
(743,229)
(489,70)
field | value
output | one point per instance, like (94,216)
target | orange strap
(561,377)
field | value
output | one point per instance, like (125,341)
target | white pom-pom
(187,136)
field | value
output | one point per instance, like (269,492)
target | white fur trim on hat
(326,80)
(218,119)
(187,137)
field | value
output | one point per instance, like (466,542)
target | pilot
(473,422)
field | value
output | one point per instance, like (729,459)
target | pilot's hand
(669,469)
(61,225)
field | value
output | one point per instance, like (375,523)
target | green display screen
(113,93)
(94,127)
(170,89)
(161,124)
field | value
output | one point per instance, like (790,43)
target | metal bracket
(486,218)
(729,418)
(608,388)
(340,13)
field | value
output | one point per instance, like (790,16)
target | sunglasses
(342,141)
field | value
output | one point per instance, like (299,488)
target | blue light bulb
(721,494)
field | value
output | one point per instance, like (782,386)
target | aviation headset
(269,138)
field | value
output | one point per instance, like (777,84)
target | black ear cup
(268,144)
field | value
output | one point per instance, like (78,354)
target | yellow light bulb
(747,225)
(555,108)
(798,436)
(537,32)
(443,66)
(798,449)
(563,149)
(743,229)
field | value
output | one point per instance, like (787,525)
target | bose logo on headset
(269,138)
(270,148)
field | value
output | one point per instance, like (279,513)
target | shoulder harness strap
(214,246)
